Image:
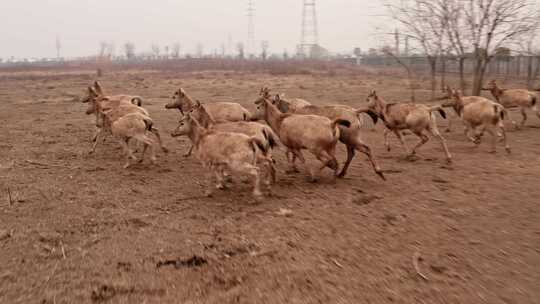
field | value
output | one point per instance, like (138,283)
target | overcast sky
(28,28)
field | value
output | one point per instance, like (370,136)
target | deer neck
(382,107)
(196,133)
(458,106)
(186,104)
(273,116)
(206,120)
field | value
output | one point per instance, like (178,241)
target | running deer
(350,136)
(116,107)
(220,151)
(407,116)
(220,111)
(514,98)
(317,134)
(480,114)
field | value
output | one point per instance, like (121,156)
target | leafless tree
(111,50)
(166,50)
(529,46)
(264,49)
(425,22)
(156,50)
(223,50)
(410,75)
(176,50)
(129,50)
(240,49)
(469,28)
(200,50)
(103,49)
(491,24)
(457,36)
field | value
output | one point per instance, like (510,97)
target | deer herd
(228,139)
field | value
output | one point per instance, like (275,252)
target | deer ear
(98,87)
(197,103)
(181,92)
(92,92)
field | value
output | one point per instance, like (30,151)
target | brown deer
(514,98)
(417,118)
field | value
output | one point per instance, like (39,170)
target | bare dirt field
(77,228)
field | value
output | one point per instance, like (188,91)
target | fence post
(518,66)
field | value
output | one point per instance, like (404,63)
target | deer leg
(493,140)
(524,115)
(423,139)
(95,139)
(326,160)
(291,159)
(435,132)
(367,151)
(535,108)
(188,153)
(504,138)
(211,174)
(350,156)
(155,131)
(400,138)
(148,142)
(127,151)
(386,143)
(449,127)
(219,179)
(249,169)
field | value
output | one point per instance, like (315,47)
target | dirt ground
(77,228)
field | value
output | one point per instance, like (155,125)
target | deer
(317,134)
(417,118)
(480,114)
(220,151)
(116,108)
(220,111)
(262,132)
(350,136)
(284,105)
(513,98)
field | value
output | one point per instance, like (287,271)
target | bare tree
(425,22)
(410,76)
(240,49)
(176,50)
(491,24)
(156,51)
(529,46)
(472,28)
(129,50)
(457,37)
(111,50)
(166,50)
(200,50)
(223,50)
(264,49)
(102,49)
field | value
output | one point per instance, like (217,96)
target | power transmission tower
(251,28)
(310,31)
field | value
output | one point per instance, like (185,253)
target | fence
(508,66)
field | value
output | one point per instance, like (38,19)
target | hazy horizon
(30,27)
